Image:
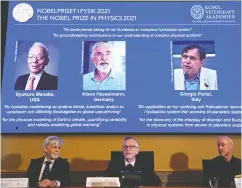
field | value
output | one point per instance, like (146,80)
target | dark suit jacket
(46,82)
(60,171)
(225,171)
(149,177)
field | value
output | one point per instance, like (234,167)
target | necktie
(31,84)
(129,167)
(46,172)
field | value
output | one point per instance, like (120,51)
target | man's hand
(47,183)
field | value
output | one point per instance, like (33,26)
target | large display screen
(122,67)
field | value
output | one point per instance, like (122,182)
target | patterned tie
(46,172)
(31,84)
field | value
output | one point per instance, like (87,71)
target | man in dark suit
(129,162)
(225,166)
(37,79)
(50,170)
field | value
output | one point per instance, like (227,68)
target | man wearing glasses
(37,79)
(130,149)
(49,170)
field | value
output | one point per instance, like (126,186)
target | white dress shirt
(43,168)
(126,163)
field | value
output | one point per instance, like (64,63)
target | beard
(54,155)
(104,66)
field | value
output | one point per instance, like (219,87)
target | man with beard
(103,77)
(50,170)
(192,76)
(225,167)
(129,162)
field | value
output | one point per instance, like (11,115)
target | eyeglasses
(38,57)
(130,147)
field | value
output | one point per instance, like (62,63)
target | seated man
(130,150)
(50,170)
(225,166)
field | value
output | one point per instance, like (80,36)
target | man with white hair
(130,162)
(103,77)
(49,170)
(37,79)
(225,167)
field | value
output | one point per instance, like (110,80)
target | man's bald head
(225,146)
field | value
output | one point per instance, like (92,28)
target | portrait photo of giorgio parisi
(194,65)
(33,62)
(104,65)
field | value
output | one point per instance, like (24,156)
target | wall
(92,152)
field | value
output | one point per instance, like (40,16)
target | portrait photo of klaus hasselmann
(104,65)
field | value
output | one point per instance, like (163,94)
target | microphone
(205,82)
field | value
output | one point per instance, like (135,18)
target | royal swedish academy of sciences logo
(197,12)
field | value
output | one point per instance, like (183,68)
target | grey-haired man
(49,170)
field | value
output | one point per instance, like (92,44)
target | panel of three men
(54,171)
